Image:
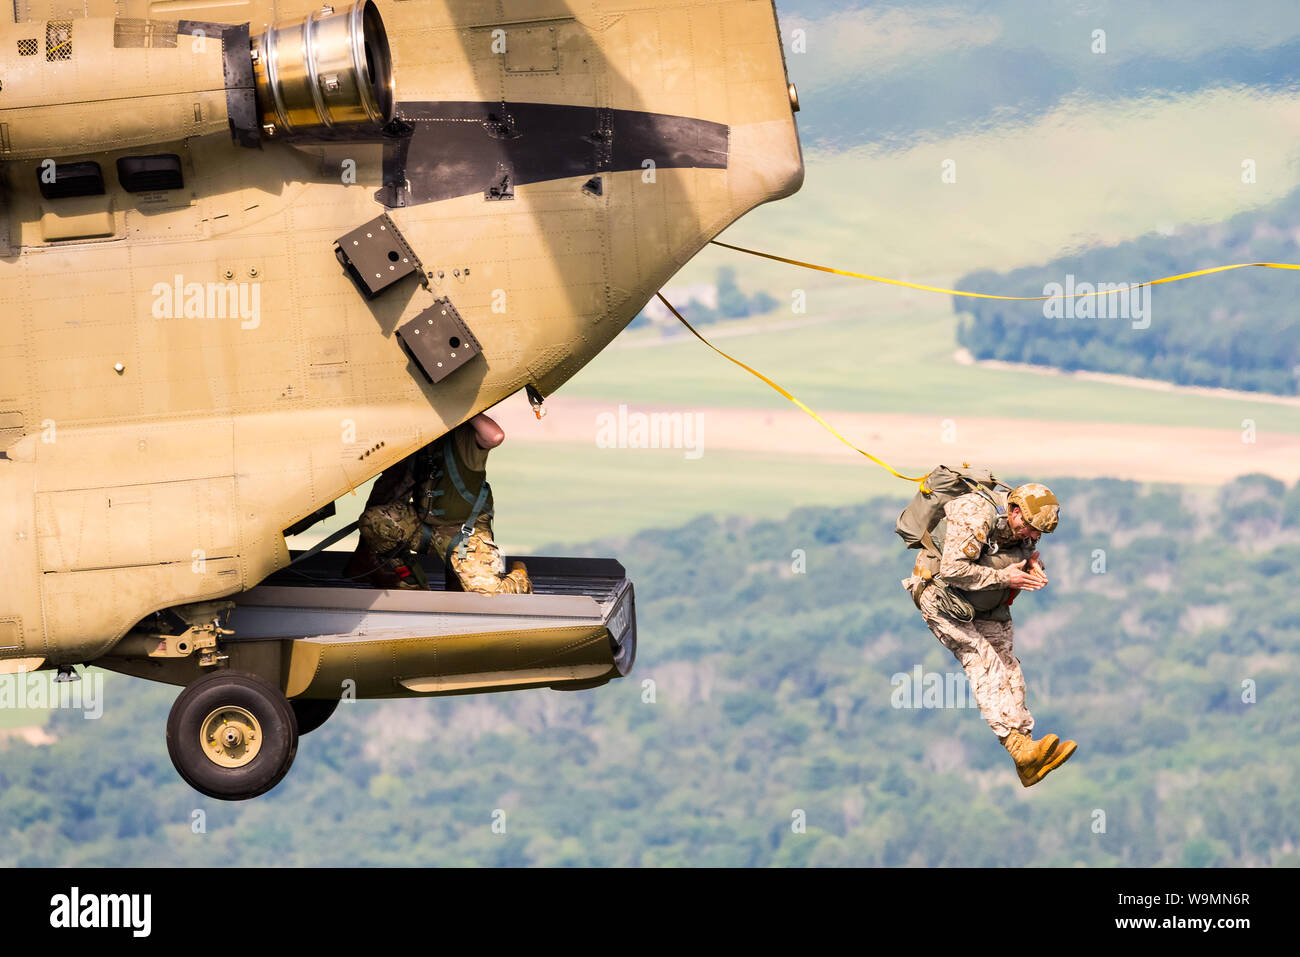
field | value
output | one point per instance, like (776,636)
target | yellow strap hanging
(985,295)
(760,375)
(915,285)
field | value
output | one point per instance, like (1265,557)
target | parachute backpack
(921,517)
(940,487)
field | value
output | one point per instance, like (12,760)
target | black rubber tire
(312,712)
(259,697)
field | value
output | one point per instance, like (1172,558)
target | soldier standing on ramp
(979,550)
(437,500)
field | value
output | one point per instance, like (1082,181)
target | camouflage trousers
(984,650)
(480,566)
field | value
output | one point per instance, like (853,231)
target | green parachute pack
(920,521)
(940,487)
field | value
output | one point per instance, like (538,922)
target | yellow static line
(915,285)
(757,374)
(986,295)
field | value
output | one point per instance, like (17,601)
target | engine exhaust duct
(98,85)
(327,70)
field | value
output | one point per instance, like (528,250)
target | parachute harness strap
(460,543)
(985,494)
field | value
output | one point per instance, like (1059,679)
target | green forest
(1230,330)
(759,726)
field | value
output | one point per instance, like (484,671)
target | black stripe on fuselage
(449,149)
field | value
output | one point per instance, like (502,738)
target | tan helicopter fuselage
(186,372)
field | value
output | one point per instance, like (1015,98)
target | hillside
(1232,330)
(773,693)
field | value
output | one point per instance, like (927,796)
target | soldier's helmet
(1037,504)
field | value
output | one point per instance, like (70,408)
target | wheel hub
(230,736)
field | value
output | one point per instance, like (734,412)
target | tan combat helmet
(1037,504)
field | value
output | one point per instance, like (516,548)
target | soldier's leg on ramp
(381,556)
(480,566)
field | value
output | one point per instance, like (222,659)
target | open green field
(886,350)
(575,492)
(1088,173)
(569,493)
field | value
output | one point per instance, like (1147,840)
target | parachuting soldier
(975,560)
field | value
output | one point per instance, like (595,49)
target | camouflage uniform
(974,534)
(392,527)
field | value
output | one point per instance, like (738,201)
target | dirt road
(913,443)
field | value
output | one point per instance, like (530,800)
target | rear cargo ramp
(578,630)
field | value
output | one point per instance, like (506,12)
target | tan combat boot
(1059,756)
(1030,755)
(517,582)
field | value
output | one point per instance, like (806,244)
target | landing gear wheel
(232,735)
(312,712)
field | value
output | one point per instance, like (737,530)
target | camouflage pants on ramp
(481,569)
(984,650)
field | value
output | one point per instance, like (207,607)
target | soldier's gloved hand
(1026,580)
